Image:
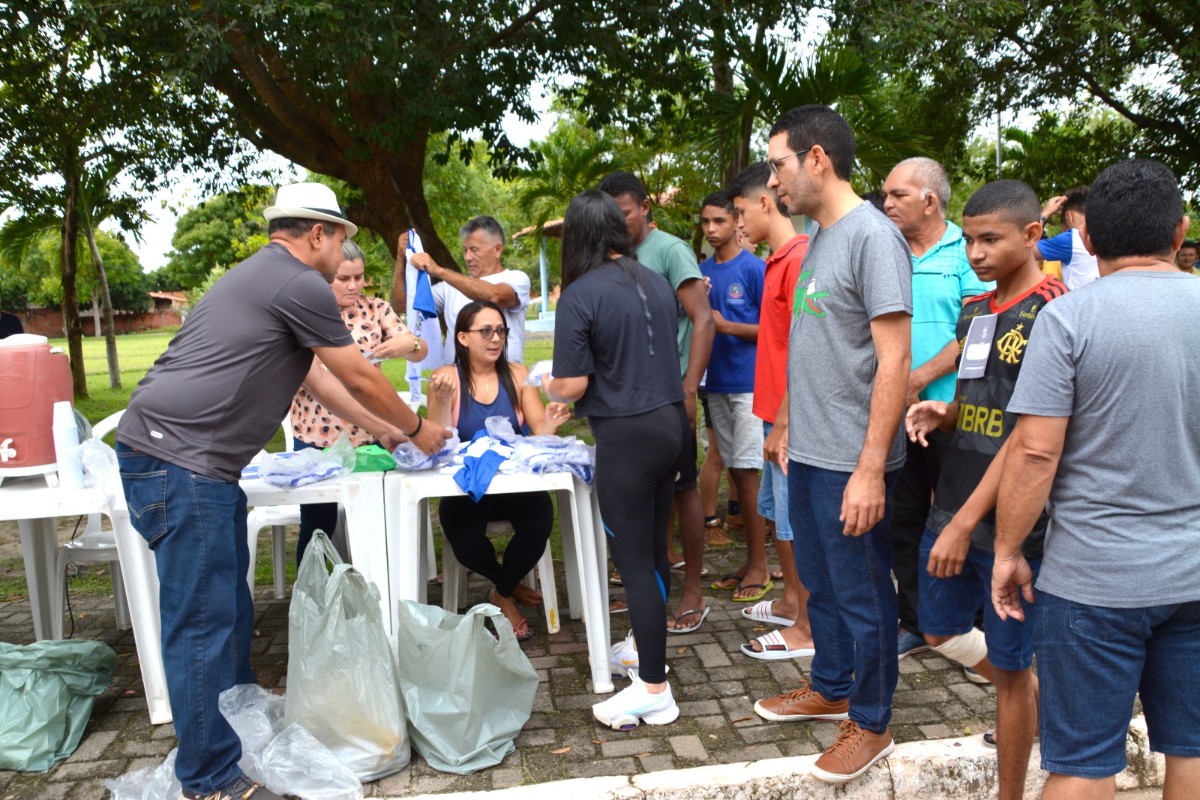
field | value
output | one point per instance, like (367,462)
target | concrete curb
(943,769)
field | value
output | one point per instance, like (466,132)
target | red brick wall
(46,322)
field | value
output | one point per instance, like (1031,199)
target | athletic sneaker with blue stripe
(633,704)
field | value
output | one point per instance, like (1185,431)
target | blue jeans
(196,527)
(852,605)
(1093,661)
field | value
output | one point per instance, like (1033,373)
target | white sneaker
(623,657)
(622,711)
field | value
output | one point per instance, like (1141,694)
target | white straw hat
(309,201)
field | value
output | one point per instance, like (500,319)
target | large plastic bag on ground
(341,673)
(47,690)
(285,758)
(467,693)
(410,458)
(307,466)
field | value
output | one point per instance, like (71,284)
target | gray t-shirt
(226,380)
(857,269)
(1121,357)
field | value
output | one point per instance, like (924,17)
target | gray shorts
(739,433)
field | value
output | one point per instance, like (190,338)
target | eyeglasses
(776,163)
(488,332)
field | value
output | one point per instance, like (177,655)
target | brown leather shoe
(855,751)
(803,703)
(734,522)
(715,536)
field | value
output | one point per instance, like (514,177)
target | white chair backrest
(107,425)
(289,437)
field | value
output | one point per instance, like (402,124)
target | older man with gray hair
(487,279)
(916,194)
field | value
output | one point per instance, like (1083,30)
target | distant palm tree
(96,204)
(771,83)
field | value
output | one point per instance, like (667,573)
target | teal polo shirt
(942,279)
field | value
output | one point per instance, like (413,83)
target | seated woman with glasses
(494,388)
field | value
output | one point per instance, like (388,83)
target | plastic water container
(33,377)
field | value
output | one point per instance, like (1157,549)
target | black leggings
(465,523)
(637,459)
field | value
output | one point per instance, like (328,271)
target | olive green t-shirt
(672,258)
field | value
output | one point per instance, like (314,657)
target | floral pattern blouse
(371,321)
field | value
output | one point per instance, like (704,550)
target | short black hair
(1076,199)
(1189,243)
(752,181)
(1013,199)
(482,223)
(1133,209)
(616,184)
(296,226)
(812,125)
(719,199)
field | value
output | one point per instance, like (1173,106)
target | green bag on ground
(47,690)
(467,693)
(373,458)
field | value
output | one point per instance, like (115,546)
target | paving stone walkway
(714,683)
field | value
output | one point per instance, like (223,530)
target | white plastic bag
(342,684)
(500,429)
(309,465)
(410,458)
(285,758)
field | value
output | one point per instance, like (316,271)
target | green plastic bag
(373,458)
(467,694)
(47,690)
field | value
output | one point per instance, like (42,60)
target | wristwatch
(416,348)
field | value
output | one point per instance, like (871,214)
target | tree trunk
(68,269)
(110,330)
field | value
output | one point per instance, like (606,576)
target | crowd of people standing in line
(905,417)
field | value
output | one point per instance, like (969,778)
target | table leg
(594,589)
(39,545)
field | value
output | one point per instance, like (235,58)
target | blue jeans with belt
(196,527)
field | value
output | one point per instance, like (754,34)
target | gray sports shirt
(855,270)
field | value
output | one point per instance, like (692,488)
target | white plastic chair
(277,518)
(454,577)
(94,546)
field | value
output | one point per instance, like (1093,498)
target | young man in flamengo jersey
(1001,226)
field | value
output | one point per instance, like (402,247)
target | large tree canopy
(1140,58)
(356,90)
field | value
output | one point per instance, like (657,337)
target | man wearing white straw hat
(209,403)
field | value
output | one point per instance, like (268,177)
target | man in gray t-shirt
(209,403)
(848,363)
(1110,435)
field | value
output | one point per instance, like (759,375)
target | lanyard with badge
(978,346)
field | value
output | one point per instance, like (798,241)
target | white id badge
(979,343)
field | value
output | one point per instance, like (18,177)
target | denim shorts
(1093,661)
(947,607)
(773,495)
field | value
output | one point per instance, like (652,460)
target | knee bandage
(967,649)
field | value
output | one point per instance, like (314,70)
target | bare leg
(710,477)
(691,528)
(755,570)
(1016,722)
(1183,778)
(1067,787)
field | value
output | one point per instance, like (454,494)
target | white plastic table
(407,497)
(34,506)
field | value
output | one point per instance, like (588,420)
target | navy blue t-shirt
(737,287)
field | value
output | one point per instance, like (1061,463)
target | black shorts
(688,471)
